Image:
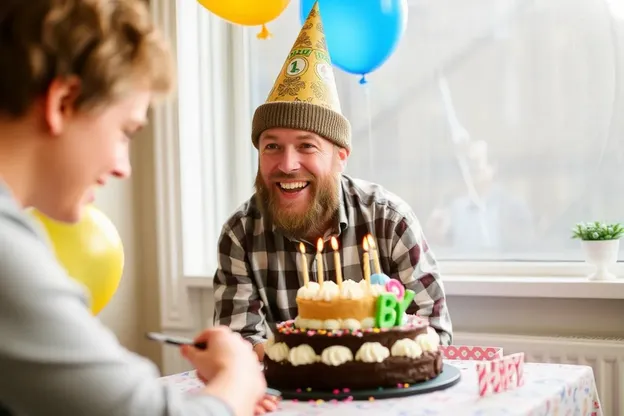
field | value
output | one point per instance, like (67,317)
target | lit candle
(366,261)
(319,261)
(304,265)
(374,253)
(334,244)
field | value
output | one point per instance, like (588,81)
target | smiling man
(302,195)
(297,179)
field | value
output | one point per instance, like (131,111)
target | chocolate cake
(352,335)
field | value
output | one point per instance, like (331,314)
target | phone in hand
(173,340)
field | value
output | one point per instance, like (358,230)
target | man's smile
(292,187)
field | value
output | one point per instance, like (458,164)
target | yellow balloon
(91,251)
(247,12)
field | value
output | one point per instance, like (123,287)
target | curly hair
(109,45)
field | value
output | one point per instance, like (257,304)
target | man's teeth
(293,185)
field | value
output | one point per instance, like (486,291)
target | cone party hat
(304,95)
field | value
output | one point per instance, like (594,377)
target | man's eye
(308,146)
(270,146)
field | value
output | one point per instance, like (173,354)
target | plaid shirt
(259,269)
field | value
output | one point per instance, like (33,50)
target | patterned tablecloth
(549,389)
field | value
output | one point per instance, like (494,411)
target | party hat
(304,95)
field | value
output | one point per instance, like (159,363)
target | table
(549,389)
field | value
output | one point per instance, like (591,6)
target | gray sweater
(55,357)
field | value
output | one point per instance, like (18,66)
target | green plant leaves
(596,231)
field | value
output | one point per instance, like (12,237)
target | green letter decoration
(405,302)
(386,310)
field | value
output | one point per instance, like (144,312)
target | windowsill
(506,286)
(197,282)
(533,287)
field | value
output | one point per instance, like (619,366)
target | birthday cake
(353,335)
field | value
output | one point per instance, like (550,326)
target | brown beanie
(301,115)
(304,96)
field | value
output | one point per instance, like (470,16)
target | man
(302,195)
(76,80)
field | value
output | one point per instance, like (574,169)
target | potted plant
(601,244)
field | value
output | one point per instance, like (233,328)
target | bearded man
(303,195)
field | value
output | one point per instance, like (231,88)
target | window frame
(223,51)
(225,131)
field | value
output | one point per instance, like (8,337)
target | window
(535,86)
(215,155)
(499,122)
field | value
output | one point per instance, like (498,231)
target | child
(76,80)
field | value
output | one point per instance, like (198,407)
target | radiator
(604,355)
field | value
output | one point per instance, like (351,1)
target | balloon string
(264,33)
(369,117)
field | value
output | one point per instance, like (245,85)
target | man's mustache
(291,177)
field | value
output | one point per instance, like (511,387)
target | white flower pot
(602,254)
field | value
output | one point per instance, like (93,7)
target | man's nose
(290,161)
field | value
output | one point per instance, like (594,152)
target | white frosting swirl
(368,323)
(435,338)
(277,351)
(336,355)
(427,342)
(328,291)
(314,324)
(331,324)
(351,324)
(372,352)
(369,352)
(351,290)
(406,348)
(309,291)
(302,355)
(304,323)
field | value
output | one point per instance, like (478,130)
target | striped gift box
(474,353)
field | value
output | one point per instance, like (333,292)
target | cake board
(449,376)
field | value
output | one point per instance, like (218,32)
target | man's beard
(322,209)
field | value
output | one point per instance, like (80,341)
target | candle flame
(319,244)
(371,242)
(365,244)
(334,243)
(301,248)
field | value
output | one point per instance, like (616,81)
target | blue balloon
(361,34)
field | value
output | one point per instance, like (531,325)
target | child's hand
(267,404)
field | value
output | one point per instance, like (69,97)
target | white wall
(134,309)
(123,311)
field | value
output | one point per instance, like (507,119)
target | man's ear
(59,103)
(343,155)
